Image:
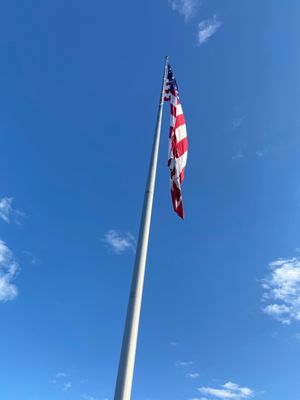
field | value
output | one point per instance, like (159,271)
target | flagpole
(127,358)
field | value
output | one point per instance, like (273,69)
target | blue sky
(79,86)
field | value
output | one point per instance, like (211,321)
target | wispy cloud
(119,242)
(8,272)
(208,28)
(88,397)
(238,156)
(61,375)
(198,398)
(59,379)
(262,153)
(184,363)
(259,153)
(192,375)
(186,8)
(7,212)
(229,390)
(31,258)
(67,386)
(282,289)
(238,121)
(174,344)
(6,208)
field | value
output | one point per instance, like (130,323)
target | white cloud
(88,397)
(192,375)
(7,211)
(238,156)
(207,28)
(61,375)
(282,288)
(60,380)
(58,376)
(6,208)
(119,242)
(174,344)
(67,386)
(259,153)
(32,259)
(199,398)
(237,122)
(184,363)
(8,271)
(186,8)
(229,390)
(262,153)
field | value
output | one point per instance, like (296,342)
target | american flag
(178,144)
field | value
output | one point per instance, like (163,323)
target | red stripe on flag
(181,176)
(181,147)
(180,120)
(173,110)
(177,201)
(176,150)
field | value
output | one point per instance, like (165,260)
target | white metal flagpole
(126,364)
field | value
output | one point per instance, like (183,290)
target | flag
(178,144)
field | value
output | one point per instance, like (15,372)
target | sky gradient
(79,90)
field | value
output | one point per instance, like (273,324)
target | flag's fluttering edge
(178,144)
